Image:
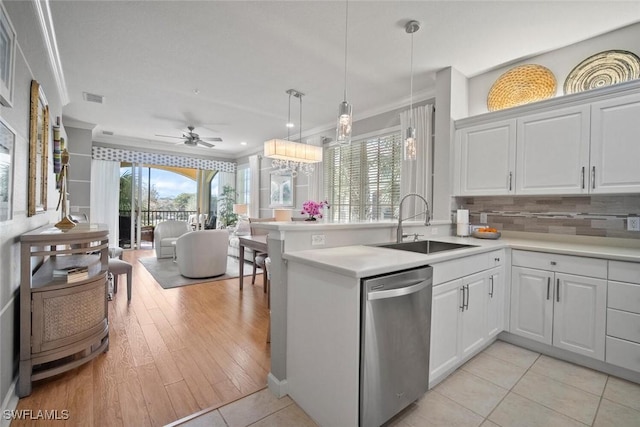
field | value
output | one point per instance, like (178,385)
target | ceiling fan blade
(206,144)
(170,136)
(212,138)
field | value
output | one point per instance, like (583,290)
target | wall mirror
(281,190)
(38,150)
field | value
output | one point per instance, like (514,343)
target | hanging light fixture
(410,143)
(290,156)
(345,111)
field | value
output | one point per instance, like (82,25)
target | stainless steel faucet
(426,212)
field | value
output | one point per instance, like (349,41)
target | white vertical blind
(362,180)
(254,186)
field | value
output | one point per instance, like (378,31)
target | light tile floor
(505,386)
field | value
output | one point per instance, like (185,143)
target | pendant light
(345,113)
(410,143)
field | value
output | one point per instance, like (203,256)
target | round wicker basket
(603,69)
(521,85)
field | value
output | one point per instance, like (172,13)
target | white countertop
(364,261)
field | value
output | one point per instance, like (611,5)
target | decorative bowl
(486,235)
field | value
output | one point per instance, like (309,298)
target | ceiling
(224,66)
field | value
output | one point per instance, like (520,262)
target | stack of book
(72,274)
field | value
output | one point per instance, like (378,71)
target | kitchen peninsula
(319,303)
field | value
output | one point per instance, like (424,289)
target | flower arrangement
(313,209)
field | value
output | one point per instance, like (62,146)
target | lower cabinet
(465,314)
(556,308)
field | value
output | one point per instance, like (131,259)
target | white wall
(31,63)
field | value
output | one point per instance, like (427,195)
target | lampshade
(282,214)
(294,151)
(240,209)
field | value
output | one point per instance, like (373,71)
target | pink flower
(312,208)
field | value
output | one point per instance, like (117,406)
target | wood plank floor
(172,352)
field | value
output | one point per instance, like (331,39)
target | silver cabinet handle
(467,304)
(491,291)
(557,290)
(582,177)
(510,179)
(548,287)
(463,292)
(593,177)
(553,263)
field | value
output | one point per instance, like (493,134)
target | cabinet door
(614,145)
(579,317)
(553,152)
(531,304)
(474,333)
(495,302)
(445,318)
(486,158)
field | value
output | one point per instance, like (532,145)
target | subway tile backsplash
(604,216)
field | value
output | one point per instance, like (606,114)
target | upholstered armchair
(165,234)
(202,253)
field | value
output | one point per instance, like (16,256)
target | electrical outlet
(483,217)
(434,231)
(317,239)
(633,223)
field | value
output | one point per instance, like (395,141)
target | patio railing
(154,217)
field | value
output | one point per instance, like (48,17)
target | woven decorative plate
(521,85)
(603,69)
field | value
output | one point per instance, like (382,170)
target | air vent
(92,97)
(107,132)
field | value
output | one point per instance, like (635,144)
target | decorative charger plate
(521,85)
(603,69)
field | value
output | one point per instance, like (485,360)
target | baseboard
(276,386)
(10,403)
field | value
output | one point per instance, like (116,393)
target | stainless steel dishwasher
(394,347)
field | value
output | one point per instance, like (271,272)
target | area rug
(166,273)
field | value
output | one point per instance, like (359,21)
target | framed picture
(7,142)
(281,194)
(38,150)
(7,58)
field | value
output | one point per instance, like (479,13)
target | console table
(62,324)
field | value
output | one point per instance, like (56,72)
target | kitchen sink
(425,246)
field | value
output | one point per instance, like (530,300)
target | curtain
(254,186)
(224,179)
(105,196)
(315,180)
(415,174)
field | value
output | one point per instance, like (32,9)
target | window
(243,184)
(362,180)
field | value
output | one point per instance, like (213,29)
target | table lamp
(282,214)
(242,226)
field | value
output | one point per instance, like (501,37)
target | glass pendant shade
(345,117)
(410,144)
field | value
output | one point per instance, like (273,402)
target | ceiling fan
(193,139)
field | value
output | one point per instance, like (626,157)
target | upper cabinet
(586,146)
(615,149)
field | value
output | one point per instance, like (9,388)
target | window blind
(362,180)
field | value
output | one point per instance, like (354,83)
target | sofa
(202,253)
(165,234)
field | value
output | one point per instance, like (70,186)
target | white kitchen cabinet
(485,159)
(615,150)
(553,152)
(465,312)
(495,302)
(623,315)
(557,307)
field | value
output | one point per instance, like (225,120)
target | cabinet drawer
(623,325)
(623,353)
(580,266)
(624,271)
(624,296)
(460,267)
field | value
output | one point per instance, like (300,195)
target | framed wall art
(281,194)
(7,143)
(38,150)
(7,58)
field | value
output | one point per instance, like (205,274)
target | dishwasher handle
(410,287)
